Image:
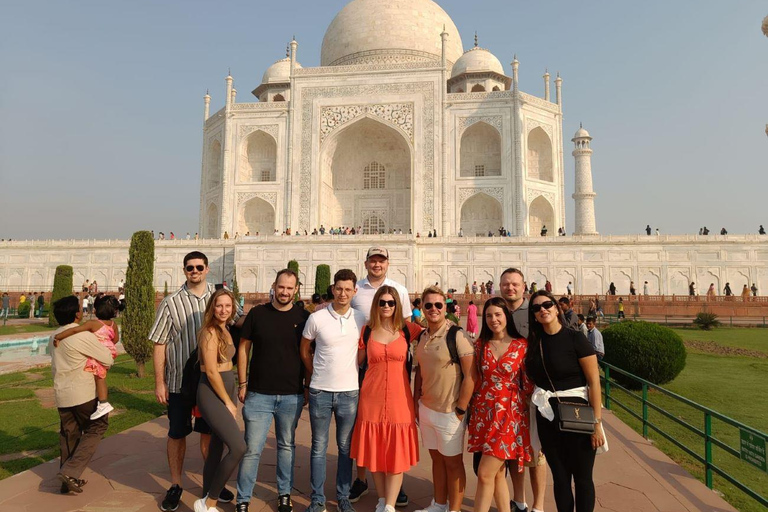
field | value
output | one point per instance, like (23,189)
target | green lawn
(23,329)
(730,385)
(26,425)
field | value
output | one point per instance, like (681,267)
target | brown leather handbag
(576,418)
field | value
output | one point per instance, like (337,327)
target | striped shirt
(177,322)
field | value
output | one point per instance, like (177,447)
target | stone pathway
(129,473)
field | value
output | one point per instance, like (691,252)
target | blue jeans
(322,405)
(258,412)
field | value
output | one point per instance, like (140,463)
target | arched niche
(214,164)
(539,155)
(365,168)
(211,221)
(480,214)
(258,161)
(257,216)
(478,88)
(540,214)
(374,225)
(480,151)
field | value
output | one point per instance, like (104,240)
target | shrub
(235,287)
(62,287)
(650,351)
(322,279)
(139,299)
(706,321)
(23,310)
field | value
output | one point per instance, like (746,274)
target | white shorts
(442,431)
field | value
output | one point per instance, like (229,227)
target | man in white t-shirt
(332,374)
(377,265)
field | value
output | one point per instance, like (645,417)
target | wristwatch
(458,410)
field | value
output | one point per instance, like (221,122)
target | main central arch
(365,178)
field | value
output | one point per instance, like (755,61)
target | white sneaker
(101,410)
(380,505)
(434,507)
(200,506)
(389,508)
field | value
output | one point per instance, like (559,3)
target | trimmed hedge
(139,299)
(23,310)
(62,287)
(650,351)
(294,265)
(322,279)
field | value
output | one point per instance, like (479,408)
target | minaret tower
(584,195)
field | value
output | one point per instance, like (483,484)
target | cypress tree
(235,288)
(294,265)
(322,279)
(62,287)
(139,299)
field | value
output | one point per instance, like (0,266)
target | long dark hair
(485,331)
(536,330)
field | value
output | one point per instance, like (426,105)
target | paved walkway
(129,473)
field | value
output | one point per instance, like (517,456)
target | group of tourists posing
(353,361)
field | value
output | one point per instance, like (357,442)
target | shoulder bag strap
(541,349)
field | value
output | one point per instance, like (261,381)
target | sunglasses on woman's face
(389,303)
(429,305)
(190,268)
(544,305)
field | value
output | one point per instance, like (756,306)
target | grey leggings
(224,431)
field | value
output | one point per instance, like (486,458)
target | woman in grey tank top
(216,397)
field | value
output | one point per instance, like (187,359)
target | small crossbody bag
(576,418)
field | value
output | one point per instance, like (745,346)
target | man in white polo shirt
(332,377)
(377,265)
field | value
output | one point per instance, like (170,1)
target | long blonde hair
(211,325)
(397,318)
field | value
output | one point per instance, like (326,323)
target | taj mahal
(398,133)
(398,129)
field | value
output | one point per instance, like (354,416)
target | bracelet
(243,385)
(458,410)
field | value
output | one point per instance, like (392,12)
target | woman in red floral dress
(499,427)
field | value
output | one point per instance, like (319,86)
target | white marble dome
(581,133)
(477,60)
(279,72)
(389,31)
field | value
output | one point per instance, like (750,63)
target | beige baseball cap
(377,251)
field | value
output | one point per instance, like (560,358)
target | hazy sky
(101,103)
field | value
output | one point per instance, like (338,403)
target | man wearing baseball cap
(377,265)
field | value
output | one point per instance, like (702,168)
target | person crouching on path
(499,426)
(74,390)
(216,396)
(385,439)
(442,390)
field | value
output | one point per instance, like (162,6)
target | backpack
(190,378)
(450,340)
(408,357)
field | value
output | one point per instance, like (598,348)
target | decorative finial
(229,71)
(581,125)
(294,37)
(475,38)
(515,57)
(546,71)
(287,50)
(206,92)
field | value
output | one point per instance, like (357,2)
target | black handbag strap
(543,364)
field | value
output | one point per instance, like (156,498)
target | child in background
(107,307)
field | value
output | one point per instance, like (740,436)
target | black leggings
(571,458)
(224,430)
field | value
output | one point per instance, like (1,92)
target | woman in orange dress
(385,439)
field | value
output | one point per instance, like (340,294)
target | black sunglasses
(544,305)
(390,303)
(428,305)
(190,268)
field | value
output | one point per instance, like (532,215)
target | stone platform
(129,473)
